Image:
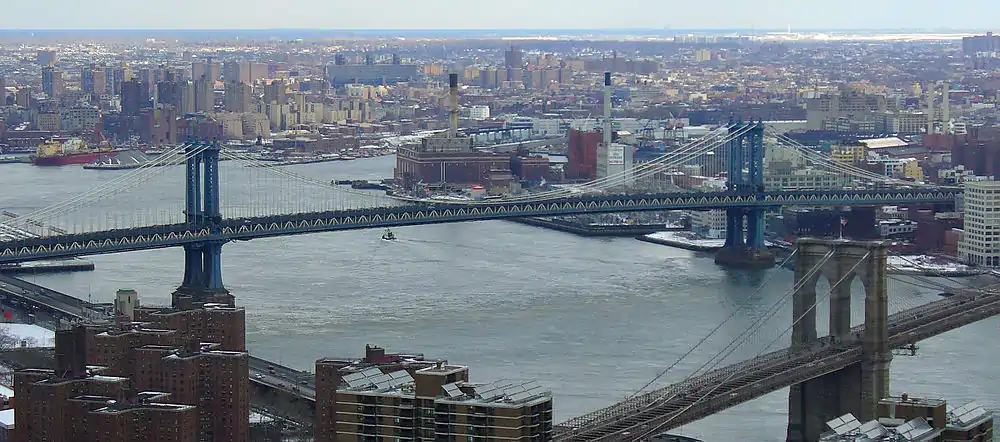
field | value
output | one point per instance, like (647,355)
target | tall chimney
(945,104)
(930,107)
(453,96)
(607,110)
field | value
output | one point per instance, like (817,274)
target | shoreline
(635,230)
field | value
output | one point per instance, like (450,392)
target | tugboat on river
(388,235)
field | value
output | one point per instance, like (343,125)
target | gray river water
(592,319)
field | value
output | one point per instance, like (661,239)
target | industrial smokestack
(607,110)
(945,104)
(930,108)
(453,97)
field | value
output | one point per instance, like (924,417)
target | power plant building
(615,161)
(449,159)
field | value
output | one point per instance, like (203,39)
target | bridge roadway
(55,304)
(750,379)
(416,213)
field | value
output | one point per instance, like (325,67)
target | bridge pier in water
(745,247)
(202,260)
(857,388)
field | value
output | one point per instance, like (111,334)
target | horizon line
(661,29)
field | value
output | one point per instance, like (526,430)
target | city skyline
(515,14)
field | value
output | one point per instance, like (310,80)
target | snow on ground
(257,418)
(7,419)
(687,238)
(927,264)
(30,335)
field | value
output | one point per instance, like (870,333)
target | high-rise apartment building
(371,74)
(116,78)
(274,92)
(206,68)
(407,398)
(132,98)
(582,154)
(52,82)
(238,97)
(981,243)
(94,80)
(439,403)
(845,110)
(194,356)
(243,71)
(178,93)
(23,97)
(46,57)
(100,81)
(79,403)
(981,44)
(329,377)
(513,58)
(204,94)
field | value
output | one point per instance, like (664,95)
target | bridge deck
(747,380)
(173,235)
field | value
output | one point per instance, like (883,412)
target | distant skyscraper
(207,68)
(132,98)
(94,80)
(238,97)
(185,99)
(231,71)
(513,58)
(167,92)
(46,58)
(275,92)
(23,97)
(204,94)
(989,43)
(115,80)
(52,82)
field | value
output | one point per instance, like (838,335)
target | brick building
(405,398)
(582,155)
(183,372)
(329,377)
(77,403)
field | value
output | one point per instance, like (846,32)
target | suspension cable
(849,273)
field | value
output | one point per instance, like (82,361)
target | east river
(591,319)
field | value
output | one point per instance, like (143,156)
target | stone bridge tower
(857,388)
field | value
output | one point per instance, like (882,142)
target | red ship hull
(76,158)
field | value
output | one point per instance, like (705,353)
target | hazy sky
(496,14)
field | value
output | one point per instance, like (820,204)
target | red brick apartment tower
(74,404)
(581,155)
(195,356)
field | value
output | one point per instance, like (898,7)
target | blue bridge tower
(202,260)
(745,177)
